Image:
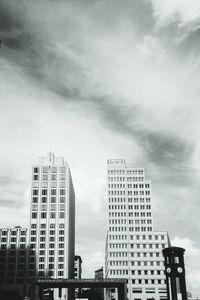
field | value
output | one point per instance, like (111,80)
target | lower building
(77,273)
(98,274)
(77,267)
(13,262)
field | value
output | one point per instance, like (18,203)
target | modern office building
(133,248)
(52,225)
(13,261)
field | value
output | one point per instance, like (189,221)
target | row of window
(51,239)
(148,281)
(136,221)
(43,207)
(52,215)
(139,192)
(44,192)
(130,199)
(51,266)
(122,179)
(13,233)
(51,232)
(50,245)
(146,245)
(51,259)
(140,228)
(131,229)
(13,239)
(46,177)
(129,193)
(137,214)
(148,206)
(50,273)
(36,170)
(13,246)
(149,237)
(122,171)
(138,246)
(51,252)
(52,199)
(51,225)
(129,185)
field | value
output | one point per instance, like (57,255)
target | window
(35,199)
(62,214)
(35,177)
(53,169)
(53,177)
(43,215)
(44,192)
(62,199)
(36,170)
(53,199)
(60,273)
(35,192)
(45,169)
(53,191)
(34,215)
(44,199)
(52,215)
(60,266)
(62,191)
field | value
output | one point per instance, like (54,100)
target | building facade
(52,219)
(77,267)
(98,274)
(133,248)
(13,260)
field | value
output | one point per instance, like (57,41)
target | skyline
(120,85)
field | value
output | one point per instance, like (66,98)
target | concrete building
(52,225)
(13,261)
(133,248)
(77,267)
(98,274)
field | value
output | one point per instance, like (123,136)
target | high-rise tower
(133,248)
(52,226)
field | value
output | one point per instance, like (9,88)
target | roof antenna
(50,142)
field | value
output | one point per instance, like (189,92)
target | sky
(98,79)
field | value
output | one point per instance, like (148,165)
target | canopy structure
(119,284)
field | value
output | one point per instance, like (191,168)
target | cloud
(186,243)
(181,10)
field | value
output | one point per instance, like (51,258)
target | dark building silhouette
(175,273)
(17,263)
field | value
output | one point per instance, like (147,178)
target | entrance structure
(72,284)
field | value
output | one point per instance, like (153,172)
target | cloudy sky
(106,79)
